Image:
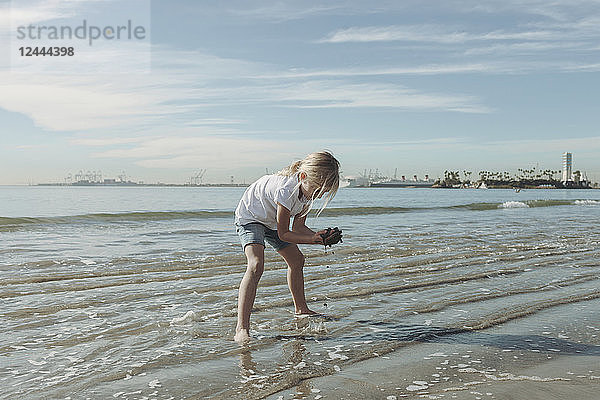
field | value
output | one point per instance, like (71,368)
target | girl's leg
(255,254)
(295,277)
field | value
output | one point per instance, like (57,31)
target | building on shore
(375,179)
(567,173)
(570,179)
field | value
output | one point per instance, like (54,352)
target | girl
(264,213)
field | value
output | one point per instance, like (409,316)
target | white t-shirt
(259,202)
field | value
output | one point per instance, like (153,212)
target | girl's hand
(332,236)
(318,238)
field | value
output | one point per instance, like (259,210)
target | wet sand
(511,361)
(441,371)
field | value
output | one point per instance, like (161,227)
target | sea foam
(189,316)
(587,202)
(513,204)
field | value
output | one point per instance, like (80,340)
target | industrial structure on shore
(95,178)
(572,179)
(525,178)
(374,179)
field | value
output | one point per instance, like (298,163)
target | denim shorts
(255,232)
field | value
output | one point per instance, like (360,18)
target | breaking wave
(587,202)
(513,204)
(8,223)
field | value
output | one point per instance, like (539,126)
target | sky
(239,88)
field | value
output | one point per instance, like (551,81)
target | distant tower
(567,175)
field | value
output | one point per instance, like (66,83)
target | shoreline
(242,185)
(137,185)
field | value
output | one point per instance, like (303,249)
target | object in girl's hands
(332,236)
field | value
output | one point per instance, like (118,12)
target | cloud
(187,83)
(180,151)
(281,11)
(555,11)
(540,44)
(99,142)
(119,101)
(525,48)
(496,67)
(340,94)
(559,146)
(33,12)
(431,33)
(401,145)
(63,107)
(429,69)
(580,145)
(413,33)
(581,67)
(576,31)
(214,122)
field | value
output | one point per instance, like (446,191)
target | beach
(502,363)
(131,293)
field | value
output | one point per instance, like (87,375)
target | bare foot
(242,336)
(305,312)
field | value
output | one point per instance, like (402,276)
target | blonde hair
(322,170)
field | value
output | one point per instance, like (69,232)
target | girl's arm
(304,236)
(299,225)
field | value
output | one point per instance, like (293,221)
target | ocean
(131,293)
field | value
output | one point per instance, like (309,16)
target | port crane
(197,179)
